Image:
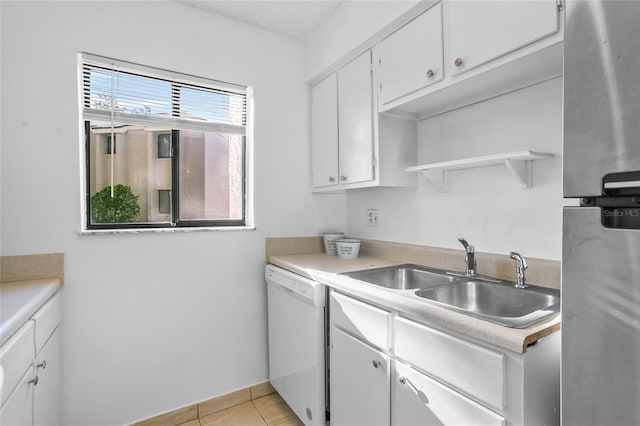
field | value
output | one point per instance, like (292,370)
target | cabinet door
(18,408)
(46,398)
(16,356)
(355,120)
(359,382)
(480,31)
(420,400)
(411,58)
(324,132)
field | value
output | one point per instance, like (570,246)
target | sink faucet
(521,265)
(470,258)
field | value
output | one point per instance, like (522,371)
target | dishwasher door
(297,342)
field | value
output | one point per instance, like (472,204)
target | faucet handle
(519,259)
(521,265)
(468,248)
(469,257)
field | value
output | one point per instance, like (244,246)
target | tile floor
(270,410)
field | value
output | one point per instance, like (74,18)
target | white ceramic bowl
(348,248)
(330,239)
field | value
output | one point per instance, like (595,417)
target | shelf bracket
(438,177)
(521,170)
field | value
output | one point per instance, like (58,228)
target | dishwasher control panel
(296,284)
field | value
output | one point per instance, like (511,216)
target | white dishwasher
(297,342)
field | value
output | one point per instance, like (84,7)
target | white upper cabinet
(351,145)
(480,31)
(342,138)
(450,54)
(324,132)
(355,120)
(411,58)
(472,49)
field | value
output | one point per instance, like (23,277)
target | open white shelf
(519,162)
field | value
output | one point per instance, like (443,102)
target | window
(181,148)
(164,201)
(110,145)
(164,145)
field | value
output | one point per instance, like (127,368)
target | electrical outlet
(373,218)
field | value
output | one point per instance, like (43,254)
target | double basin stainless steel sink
(487,298)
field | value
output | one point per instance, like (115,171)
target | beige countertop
(325,269)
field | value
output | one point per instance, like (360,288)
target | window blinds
(124,92)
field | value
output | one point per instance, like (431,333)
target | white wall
(151,322)
(484,205)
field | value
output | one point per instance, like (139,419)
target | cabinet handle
(430,73)
(377,364)
(343,178)
(458,61)
(34,381)
(331,179)
(421,395)
(42,365)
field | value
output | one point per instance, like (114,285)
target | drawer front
(46,320)
(473,369)
(360,319)
(420,400)
(15,357)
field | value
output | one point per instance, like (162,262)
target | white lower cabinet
(447,358)
(366,322)
(33,355)
(359,382)
(18,408)
(46,396)
(385,369)
(420,400)
(359,366)
(519,388)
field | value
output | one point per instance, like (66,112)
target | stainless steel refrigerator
(601,237)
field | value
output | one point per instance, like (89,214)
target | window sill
(164,230)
